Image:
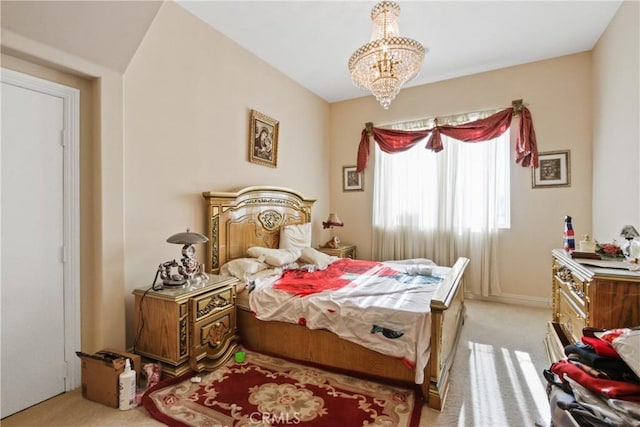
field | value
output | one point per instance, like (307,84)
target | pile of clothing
(598,380)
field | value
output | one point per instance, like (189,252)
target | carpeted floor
(496,379)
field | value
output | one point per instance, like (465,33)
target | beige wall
(616,122)
(558,93)
(102,272)
(188,95)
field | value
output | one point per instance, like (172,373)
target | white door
(33,347)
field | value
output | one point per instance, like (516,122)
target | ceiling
(311,41)
(105,32)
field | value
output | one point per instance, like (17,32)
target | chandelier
(388,61)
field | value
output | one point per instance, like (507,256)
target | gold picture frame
(263,139)
(554,170)
(352,180)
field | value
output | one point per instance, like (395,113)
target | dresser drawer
(210,303)
(573,285)
(555,341)
(571,316)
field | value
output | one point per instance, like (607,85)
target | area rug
(267,391)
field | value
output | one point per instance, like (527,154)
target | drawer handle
(217,333)
(216,302)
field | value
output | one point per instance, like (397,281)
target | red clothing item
(336,276)
(608,388)
(602,348)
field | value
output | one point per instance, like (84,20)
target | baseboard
(513,299)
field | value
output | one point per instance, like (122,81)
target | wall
(558,93)
(101,241)
(616,122)
(189,91)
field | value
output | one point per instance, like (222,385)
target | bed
(254,216)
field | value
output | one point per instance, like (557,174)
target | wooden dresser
(585,294)
(191,327)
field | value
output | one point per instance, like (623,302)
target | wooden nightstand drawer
(214,331)
(210,303)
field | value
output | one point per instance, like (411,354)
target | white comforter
(389,314)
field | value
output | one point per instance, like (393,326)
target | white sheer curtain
(444,205)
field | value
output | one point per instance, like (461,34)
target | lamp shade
(332,221)
(188,238)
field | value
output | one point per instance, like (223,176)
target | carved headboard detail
(252,216)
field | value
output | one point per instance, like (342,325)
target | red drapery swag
(395,141)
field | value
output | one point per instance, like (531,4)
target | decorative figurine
(569,238)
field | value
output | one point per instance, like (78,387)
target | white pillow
(317,258)
(242,267)
(295,236)
(274,257)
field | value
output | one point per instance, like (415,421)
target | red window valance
(394,141)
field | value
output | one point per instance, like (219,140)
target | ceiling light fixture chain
(389,60)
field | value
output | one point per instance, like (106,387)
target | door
(33,345)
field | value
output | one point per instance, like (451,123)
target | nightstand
(342,251)
(187,327)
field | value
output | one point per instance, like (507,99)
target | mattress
(382,306)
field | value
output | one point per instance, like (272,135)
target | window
(465,186)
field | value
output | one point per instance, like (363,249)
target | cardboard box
(100,372)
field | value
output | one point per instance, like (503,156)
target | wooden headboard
(252,216)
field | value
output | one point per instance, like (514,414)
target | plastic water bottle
(569,238)
(127,386)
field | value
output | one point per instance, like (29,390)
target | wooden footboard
(327,349)
(447,311)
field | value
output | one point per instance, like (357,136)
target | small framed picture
(263,140)
(352,180)
(554,170)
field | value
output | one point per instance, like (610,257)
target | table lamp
(189,265)
(332,221)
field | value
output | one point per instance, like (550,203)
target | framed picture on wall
(352,180)
(554,170)
(263,140)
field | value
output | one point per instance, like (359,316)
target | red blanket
(336,276)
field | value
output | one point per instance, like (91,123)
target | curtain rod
(516,104)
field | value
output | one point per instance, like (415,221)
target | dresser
(342,251)
(187,327)
(587,294)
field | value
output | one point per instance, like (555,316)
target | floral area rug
(266,391)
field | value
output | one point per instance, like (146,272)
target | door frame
(70,253)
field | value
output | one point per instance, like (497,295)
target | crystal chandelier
(388,61)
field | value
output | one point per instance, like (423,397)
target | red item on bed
(608,388)
(602,348)
(334,277)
